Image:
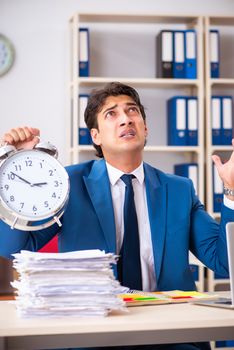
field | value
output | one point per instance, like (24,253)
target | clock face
(6,55)
(33,184)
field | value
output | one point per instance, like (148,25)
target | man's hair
(97,100)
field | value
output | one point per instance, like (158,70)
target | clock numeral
(56,183)
(18,168)
(12,198)
(34,208)
(28,162)
(54,195)
(51,173)
(21,205)
(6,187)
(46,204)
(41,165)
(11,176)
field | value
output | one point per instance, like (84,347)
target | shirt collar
(115,174)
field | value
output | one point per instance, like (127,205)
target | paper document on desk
(77,283)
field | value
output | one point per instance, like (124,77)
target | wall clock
(7,55)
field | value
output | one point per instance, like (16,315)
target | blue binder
(190,54)
(214,53)
(216,119)
(217,191)
(84,133)
(227,120)
(84,54)
(192,121)
(189,170)
(179,54)
(176,121)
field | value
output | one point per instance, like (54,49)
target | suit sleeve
(12,241)
(208,237)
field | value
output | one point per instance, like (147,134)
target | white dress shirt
(118,194)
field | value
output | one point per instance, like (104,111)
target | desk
(142,325)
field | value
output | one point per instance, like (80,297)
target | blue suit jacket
(177,219)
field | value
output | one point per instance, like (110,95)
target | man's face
(121,127)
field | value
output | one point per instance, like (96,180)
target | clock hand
(21,178)
(39,183)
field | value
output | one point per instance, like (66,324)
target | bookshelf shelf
(189,149)
(151,82)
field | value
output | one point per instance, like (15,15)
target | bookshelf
(224,85)
(112,58)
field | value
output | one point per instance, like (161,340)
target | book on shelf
(182,121)
(84,52)
(214,39)
(189,170)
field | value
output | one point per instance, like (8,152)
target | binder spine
(165,54)
(227,120)
(84,134)
(217,191)
(84,54)
(192,120)
(179,54)
(190,54)
(216,116)
(176,121)
(214,53)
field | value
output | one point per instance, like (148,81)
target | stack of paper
(79,283)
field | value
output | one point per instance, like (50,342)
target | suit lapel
(98,187)
(156,193)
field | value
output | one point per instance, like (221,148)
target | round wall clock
(7,55)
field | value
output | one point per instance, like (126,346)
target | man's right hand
(22,137)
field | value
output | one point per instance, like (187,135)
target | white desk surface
(142,325)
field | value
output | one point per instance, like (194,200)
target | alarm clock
(34,187)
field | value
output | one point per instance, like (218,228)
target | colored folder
(84,56)
(84,133)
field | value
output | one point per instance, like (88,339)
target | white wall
(35,91)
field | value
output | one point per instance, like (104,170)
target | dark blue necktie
(129,263)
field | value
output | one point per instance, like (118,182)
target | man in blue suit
(171,219)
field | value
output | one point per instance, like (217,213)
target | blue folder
(176,121)
(227,120)
(84,52)
(214,53)
(216,119)
(190,54)
(192,121)
(179,54)
(84,133)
